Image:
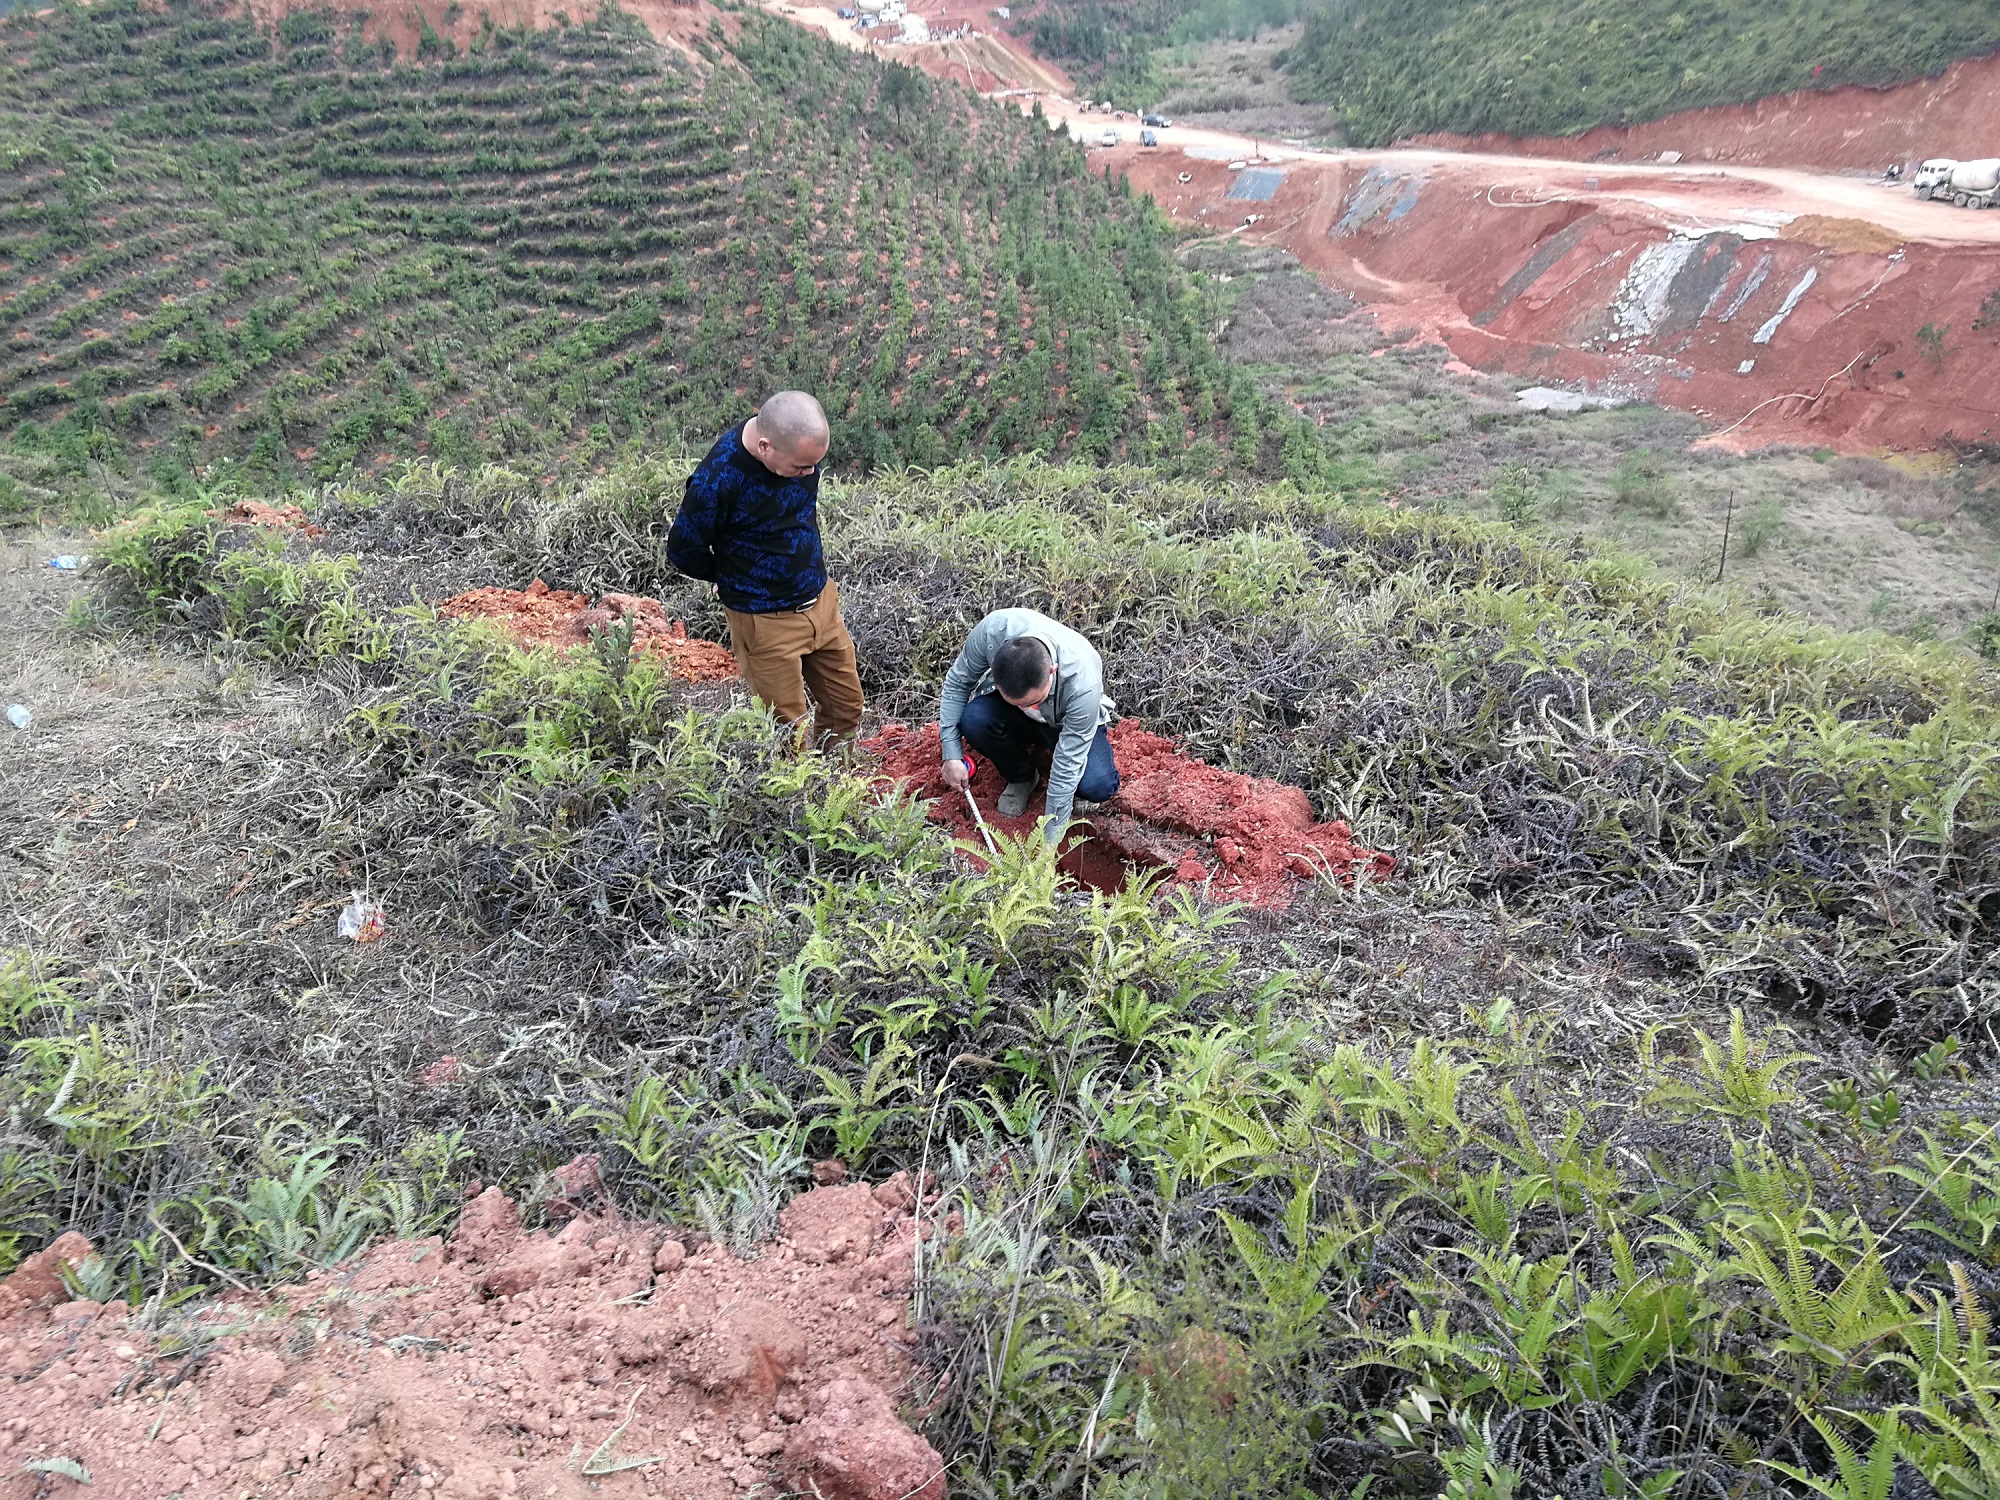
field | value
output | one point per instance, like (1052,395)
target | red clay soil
(541,616)
(287,517)
(1953,114)
(1243,838)
(499,1363)
(1661,286)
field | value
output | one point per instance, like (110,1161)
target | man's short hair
(793,421)
(1020,666)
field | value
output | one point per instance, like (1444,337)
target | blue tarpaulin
(1257,184)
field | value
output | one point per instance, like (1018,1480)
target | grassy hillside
(1530,67)
(298,252)
(1110,41)
(1472,1179)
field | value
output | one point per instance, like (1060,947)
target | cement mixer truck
(1969,184)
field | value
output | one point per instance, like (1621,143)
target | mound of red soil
(1244,838)
(603,1360)
(287,517)
(541,616)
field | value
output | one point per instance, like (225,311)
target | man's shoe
(1014,801)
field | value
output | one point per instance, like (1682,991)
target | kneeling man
(1023,680)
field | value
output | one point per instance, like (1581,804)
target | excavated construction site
(1750,264)
(1782,308)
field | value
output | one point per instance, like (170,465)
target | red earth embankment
(1956,114)
(605,1360)
(1693,290)
(539,616)
(1243,838)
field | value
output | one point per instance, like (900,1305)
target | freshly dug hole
(1244,838)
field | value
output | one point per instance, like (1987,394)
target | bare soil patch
(607,1358)
(1242,838)
(1850,236)
(541,616)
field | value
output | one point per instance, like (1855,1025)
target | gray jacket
(1076,705)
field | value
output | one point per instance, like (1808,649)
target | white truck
(1969,184)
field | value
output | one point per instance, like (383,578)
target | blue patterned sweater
(751,533)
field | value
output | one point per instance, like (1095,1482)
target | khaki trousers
(787,655)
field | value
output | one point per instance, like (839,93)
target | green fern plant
(1857,1475)
(1738,1078)
(1291,1285)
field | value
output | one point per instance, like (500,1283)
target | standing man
(750,526)
(1023,680)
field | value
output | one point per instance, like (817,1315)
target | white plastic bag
(362,920)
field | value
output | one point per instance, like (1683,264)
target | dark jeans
(1005,735)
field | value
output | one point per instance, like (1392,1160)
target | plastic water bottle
(18,715)
(68,562)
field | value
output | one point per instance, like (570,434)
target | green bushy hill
(1110,41)
(297,250)
(1532,67)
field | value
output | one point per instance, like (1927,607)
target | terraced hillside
(296,249)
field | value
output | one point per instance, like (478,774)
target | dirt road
(1689,199)
(985,60)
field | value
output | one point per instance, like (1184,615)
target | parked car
(1109,138)
(1148,138)
(1160,122)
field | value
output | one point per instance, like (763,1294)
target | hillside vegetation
(295,251)
(1635,1141)
(1530,67)
(1470,1183)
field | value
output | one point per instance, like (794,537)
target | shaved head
(795,424)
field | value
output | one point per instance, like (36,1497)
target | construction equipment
(1931,173)
(1969,184)
(1975,184)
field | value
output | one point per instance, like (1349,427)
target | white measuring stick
(981,821)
